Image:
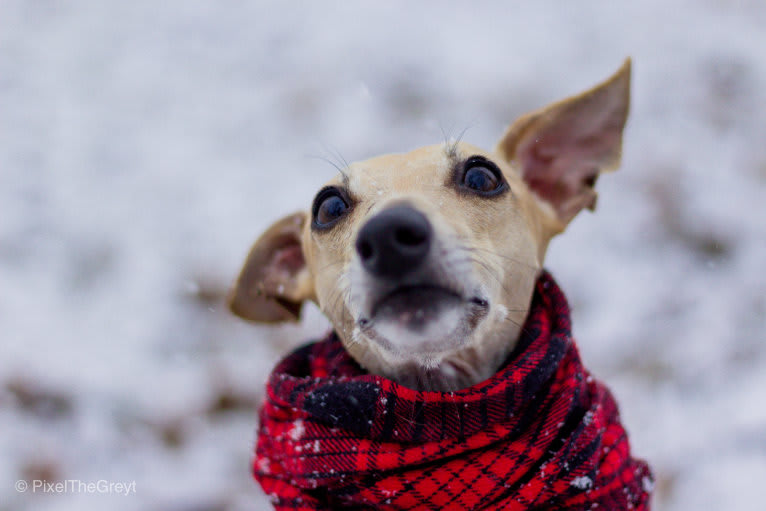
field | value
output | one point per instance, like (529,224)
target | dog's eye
(329,206)
(480,179)
(482,176)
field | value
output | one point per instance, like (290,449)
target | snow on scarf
(539,434)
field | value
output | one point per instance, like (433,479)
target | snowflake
(582,483)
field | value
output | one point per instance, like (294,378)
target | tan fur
(549,159)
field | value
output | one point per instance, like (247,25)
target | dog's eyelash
(451,144)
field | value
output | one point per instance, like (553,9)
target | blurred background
(144,145)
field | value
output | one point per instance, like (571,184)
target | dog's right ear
(275,280)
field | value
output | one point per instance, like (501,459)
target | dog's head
(425,262)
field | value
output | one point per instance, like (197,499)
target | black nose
(394,242)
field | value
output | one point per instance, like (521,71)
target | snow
(297,431)
(144,145)
(582,483)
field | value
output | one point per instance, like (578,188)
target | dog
(426,264)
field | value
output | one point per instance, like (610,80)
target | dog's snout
(394,242)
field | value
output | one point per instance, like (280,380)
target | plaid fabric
(540,434)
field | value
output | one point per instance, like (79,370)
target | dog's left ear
(275,280)
(562,148)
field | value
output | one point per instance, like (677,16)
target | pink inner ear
(289,258)
(561,161)
(283,264)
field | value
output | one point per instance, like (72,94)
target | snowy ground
(144,145)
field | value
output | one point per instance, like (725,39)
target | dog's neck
(456,370)
(459,370)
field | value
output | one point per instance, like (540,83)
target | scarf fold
(540,434)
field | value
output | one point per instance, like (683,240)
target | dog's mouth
(414,306)
(432,317)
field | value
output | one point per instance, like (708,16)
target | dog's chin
(423,321)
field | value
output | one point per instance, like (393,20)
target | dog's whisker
(335,159)
(451,144)
(494,274)
(447,134)
(502,256)
(333,299)
(333,151)
(337,297)
(460,137)
(330,265)
(326,160)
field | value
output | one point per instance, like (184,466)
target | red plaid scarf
(540,434)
